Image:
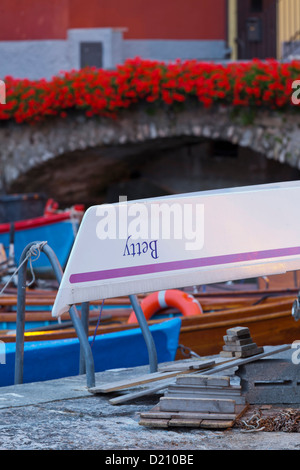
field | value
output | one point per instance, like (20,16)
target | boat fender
(184,302)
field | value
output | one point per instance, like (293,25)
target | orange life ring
(184,302)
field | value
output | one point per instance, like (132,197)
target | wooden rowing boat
(266,313)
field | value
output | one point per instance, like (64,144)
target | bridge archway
(154,168)
(139,155)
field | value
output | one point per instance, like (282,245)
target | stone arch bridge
(92,160)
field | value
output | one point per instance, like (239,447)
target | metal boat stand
(86,365)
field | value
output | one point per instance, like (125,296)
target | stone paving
(63,415)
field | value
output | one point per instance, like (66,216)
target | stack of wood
(238,343)
(195,395)
(205,386)
(198,400)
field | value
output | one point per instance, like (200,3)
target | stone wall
(79,151)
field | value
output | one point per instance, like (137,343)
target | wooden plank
(216,424)
(158,415)
(135,381)
(234,340)
(241,348)
(203,380)
(228,354)
(179,422)
(238,399)
(244,354)
(186,415)
(238,331)
(187,365)
(197,404)
(190,423)
(231,390)
(268,351)
(210,392)
(140,393)
(157,423)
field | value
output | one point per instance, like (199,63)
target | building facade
(40,38)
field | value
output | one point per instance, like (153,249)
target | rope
(34,250)
(98,322)
(274,420)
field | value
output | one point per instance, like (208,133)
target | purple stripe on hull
(183,264)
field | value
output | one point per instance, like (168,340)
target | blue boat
(27,218)
(46,360)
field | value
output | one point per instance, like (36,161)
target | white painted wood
(215,236)
(198,405)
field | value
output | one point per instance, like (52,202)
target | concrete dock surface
(63,414)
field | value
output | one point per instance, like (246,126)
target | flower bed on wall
(105,93)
